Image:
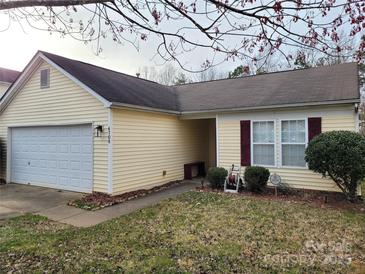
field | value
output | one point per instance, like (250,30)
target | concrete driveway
(16,199)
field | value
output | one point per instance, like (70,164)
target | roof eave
(143,108)
(307,104)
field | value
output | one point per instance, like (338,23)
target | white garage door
(53,156)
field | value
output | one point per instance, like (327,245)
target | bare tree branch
(12,4)
(243,30)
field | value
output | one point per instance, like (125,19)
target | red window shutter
(246,143)
(314,127)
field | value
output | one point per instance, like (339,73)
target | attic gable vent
(45,78)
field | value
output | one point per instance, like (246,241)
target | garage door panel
(58,157)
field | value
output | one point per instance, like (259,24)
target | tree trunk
(352,192)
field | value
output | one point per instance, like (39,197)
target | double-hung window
(293,142)
(263,143)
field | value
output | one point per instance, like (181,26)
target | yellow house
(70,125)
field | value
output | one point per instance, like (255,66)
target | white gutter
(347,101)
(182,113)
(150,109)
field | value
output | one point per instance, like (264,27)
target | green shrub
(256,178)
(339,155)
(216,176)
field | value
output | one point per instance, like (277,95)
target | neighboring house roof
(8,75)
(321,85)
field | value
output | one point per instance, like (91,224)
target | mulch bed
(323,199)
(99,200)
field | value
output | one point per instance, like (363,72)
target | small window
(293,142)
(263,143)
(45,78)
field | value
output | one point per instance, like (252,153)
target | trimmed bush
(339,155)
(216,176)
(256,178)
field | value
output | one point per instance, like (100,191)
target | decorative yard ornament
(275,179)
(232,182)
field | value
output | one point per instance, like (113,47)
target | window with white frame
(263,143)
(293,142)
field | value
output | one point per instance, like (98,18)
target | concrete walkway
(83,218)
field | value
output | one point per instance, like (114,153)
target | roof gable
(118,87)
(22,79)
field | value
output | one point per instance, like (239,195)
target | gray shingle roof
(322,84)
(8,75)
(118,87)
(327,83)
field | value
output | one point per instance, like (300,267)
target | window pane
(293,155)
(256,130)
(263,132)
(301,125)
(263,155)
(293,131)
(285,125)
(270,132)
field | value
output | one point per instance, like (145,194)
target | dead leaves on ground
(196,233)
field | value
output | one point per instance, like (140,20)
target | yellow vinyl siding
(333,118)
(229,143)
(64,102)
(145,144)
(347,122)
(211,143)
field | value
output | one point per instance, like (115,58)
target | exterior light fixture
(356,107)
(99,130)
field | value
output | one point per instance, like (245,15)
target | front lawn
(194,233)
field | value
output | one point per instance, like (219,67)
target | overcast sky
(18,45)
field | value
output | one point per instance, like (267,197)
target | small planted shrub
(339,155)
(256,178)
(216,176)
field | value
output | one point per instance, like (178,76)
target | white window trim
(281,143)
(49,77)
(251,143)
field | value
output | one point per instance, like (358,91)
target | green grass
(194,233)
